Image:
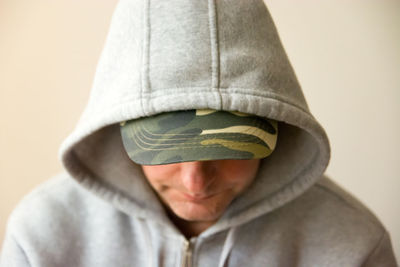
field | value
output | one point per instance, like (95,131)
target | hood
(171,55)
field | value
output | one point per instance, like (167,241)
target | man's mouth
(196,197)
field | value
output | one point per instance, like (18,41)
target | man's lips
(196,197)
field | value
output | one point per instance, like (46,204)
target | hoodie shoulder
(52,205)
(55,191)
(353,223)
(345,200)
(348,218)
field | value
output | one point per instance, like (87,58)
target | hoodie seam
(273,97)
(39,192)
(215,64)
(268,95)
(146,55)
(376,247)
(21,249)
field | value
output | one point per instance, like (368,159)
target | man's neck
(189,228)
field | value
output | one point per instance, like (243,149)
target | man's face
(200,191)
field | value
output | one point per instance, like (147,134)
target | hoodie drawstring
(149,244)
(228,245)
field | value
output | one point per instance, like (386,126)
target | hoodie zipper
(187,253)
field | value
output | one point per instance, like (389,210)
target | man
(196,148)
(199,161)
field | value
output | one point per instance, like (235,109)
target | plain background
(346,55)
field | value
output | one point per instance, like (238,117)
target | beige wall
(346,55)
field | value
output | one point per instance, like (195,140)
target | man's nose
(196,176)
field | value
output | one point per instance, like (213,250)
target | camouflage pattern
(196,135)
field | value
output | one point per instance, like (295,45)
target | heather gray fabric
(173,55)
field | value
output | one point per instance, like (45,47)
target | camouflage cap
(196,135)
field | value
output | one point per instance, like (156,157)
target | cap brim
(197,135)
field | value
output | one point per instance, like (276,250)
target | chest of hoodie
(247,245)
(250,244)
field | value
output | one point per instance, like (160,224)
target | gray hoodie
(173,55)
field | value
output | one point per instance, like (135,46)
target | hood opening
(100,163)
